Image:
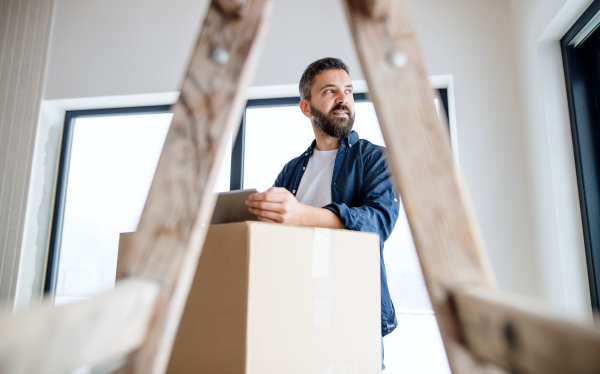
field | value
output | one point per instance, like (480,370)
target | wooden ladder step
(51,339)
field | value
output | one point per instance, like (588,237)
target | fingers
(264,205)
(259,196)
(256,196)
(273,194)
(265,214)
(272,205)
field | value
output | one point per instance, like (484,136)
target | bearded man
(340,181)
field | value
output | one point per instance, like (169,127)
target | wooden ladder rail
(446,239)
(482,331)
(177,213)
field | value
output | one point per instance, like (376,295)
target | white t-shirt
(315,185)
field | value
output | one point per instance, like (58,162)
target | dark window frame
(583,94)
(51,276)
(237,163)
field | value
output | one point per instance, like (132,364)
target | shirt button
(395,200)
(350,144)
(306,154)
(294,191)
(303,168)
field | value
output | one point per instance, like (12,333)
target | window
(107,164)
(581,60)
(106,168)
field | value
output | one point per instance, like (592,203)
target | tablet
(231,207)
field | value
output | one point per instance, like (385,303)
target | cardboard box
(270,298)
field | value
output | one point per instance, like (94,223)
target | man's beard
(336,127)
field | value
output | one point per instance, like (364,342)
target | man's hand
(278,205)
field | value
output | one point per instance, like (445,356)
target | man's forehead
(332,78)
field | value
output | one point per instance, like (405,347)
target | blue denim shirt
(362,196)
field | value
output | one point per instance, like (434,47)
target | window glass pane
(365,123)
(113,160)
(276,135)
(273,137)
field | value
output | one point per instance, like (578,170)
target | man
(340,181)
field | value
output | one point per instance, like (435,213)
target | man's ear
(305,108)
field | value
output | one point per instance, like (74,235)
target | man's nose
(342,98)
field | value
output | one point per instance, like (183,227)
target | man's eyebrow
(333,85)
(326,86)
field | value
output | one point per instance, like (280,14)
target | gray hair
(316,68)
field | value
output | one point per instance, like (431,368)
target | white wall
(538,27)
(110,47)
(470,39)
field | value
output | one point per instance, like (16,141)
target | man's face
(331,106)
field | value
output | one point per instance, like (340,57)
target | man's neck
(326,142)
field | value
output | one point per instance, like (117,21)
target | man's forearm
(320,217)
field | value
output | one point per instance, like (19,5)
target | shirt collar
(350,139)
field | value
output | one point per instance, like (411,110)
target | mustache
(341,106)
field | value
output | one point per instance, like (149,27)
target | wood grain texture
(373,8)
(169,237)
(446,236)
(516,334)
(125,239)
(60,339)
(232,7)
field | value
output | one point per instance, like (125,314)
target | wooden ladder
(132,328)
